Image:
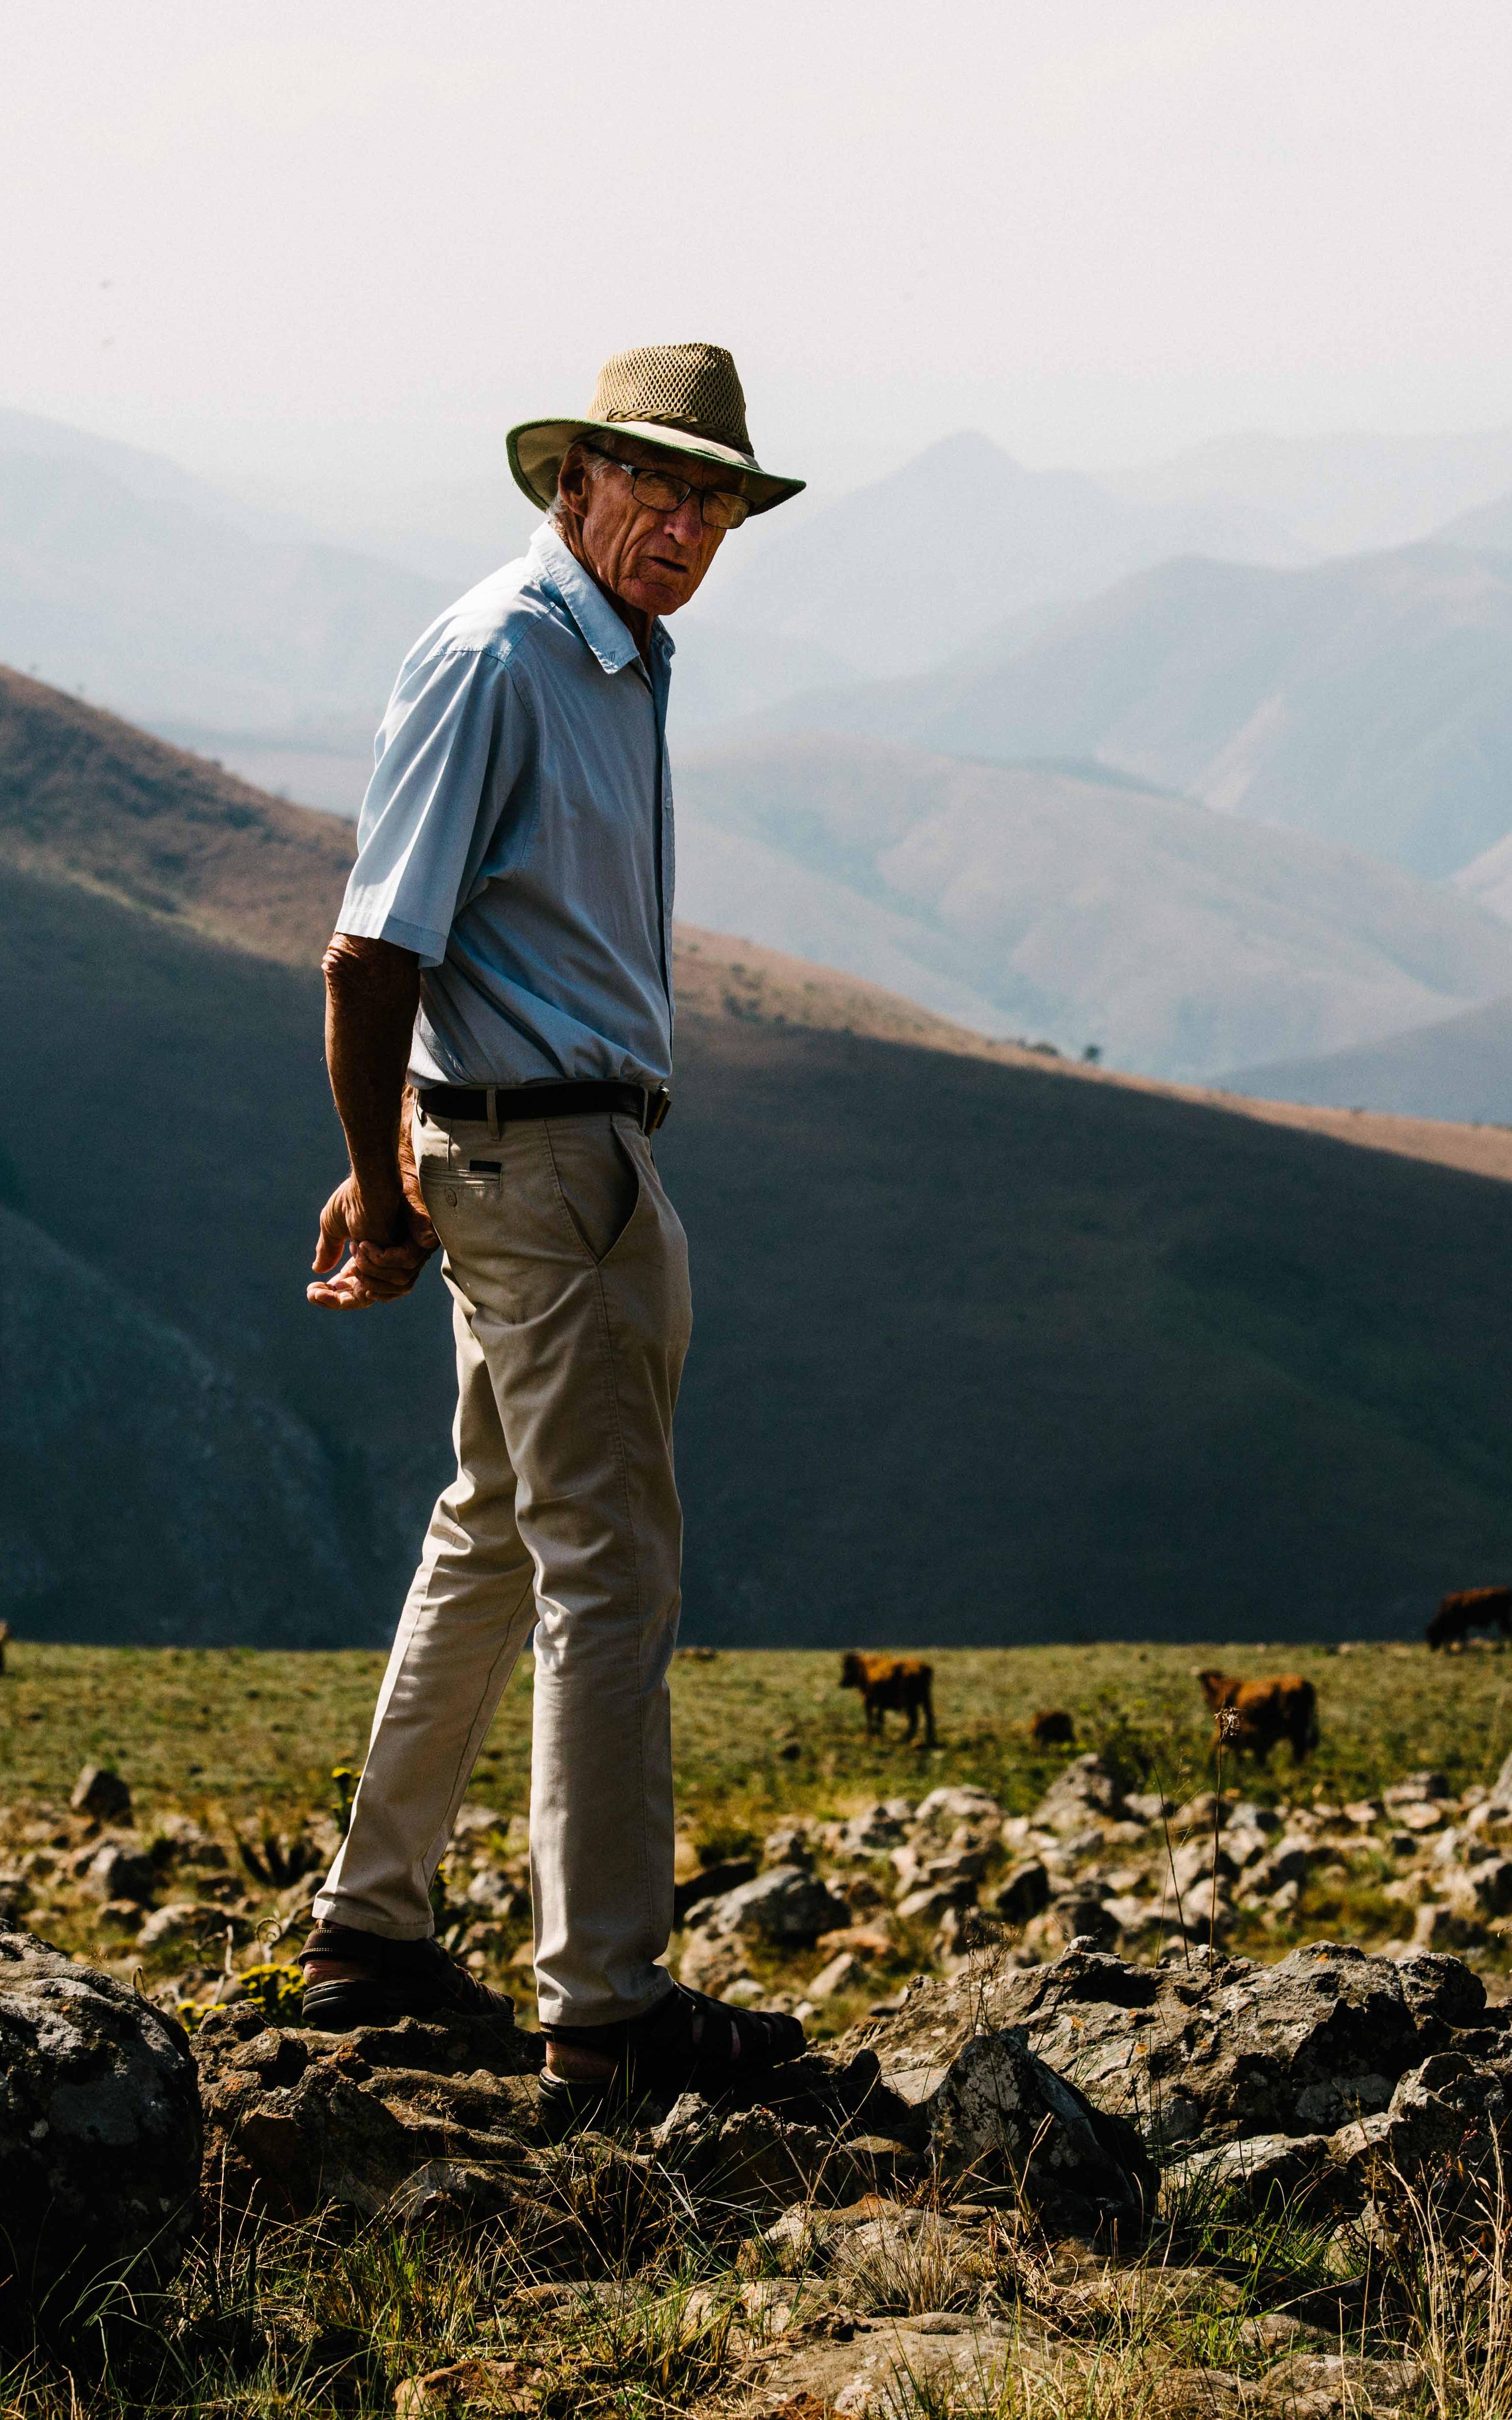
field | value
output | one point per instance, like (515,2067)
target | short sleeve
(451,744)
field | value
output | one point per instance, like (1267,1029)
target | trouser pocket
(597,1177)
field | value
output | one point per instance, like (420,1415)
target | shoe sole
(342,2007)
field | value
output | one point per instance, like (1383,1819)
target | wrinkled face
(651,560)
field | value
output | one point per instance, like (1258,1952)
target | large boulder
(296,2118)
(99,2131)
(1223,2049)
(985,2105)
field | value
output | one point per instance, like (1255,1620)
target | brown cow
(1253,1714)
(1482,1608)
(1053,1729)
(892,1684)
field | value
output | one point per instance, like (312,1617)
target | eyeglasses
(663,493)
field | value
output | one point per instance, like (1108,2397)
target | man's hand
(376,1215)
(387,1254)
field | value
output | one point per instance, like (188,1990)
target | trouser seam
(606,1329)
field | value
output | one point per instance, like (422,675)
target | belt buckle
(656,1106)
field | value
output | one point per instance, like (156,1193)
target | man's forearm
(372,992)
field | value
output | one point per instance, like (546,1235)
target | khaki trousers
(568,1271)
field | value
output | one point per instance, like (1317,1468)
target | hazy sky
(315,240)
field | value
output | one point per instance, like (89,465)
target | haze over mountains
(1457,1068)
(1069,904)
(982,1350)
(1367,702)
(1199,755)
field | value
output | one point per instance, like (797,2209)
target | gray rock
(99,2131)
(1419,1787)
(1023,1892)
(1262,2168)
(494,1894)
(1452,2113)
(975,2094)
(1086,1788)
(115,1873)
(1200,2056)
(1443,1994)
(754,2159)
(876,1829)
(957,1804)
(177,1922)
(1490,1884)
(1243,1843)
(785,1904)
(1193,1866)
(453,2194)
(1288,1862)
(179,1842)
(295,2117)
(989,2107)
(788,1844)
(932,1903)
(1073,1915)
(102,1794)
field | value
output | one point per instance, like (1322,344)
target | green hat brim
(537,448)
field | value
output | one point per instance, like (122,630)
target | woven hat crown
(692,387)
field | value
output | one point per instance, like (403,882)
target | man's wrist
(381,1195)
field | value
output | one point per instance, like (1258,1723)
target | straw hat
(686,398)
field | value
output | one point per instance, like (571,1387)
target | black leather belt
(498,1104)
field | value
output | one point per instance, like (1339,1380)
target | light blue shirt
(516,836)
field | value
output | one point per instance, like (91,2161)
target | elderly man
(505,943)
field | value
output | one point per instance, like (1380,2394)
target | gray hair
(597,464)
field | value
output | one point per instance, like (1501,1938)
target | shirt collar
(598,625)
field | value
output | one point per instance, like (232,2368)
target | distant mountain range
(1458,1067)
(983,1351)
(1366,702)
(898,576)
(1486,529)
(1335,495)
(1069,903)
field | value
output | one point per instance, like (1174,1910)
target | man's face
(651,560)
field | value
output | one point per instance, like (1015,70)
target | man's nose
(686,524)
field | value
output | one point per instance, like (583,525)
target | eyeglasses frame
(653,470)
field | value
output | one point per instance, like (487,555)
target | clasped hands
(389,1245)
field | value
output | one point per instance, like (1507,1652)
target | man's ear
(572,481)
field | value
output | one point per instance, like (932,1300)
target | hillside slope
(985,1349)
(981,1351)
(173,612)
(1366,702)
(1043,901)
(1457,1068)
(147,1491)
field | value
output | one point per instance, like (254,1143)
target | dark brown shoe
(687,2044)
(398,1979)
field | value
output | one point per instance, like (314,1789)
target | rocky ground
(1073,2138)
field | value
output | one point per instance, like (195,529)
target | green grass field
(230,1732)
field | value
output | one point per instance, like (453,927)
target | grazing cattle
(1251,1715)
(1053,1728)
(896,1685)
(1482,1608)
